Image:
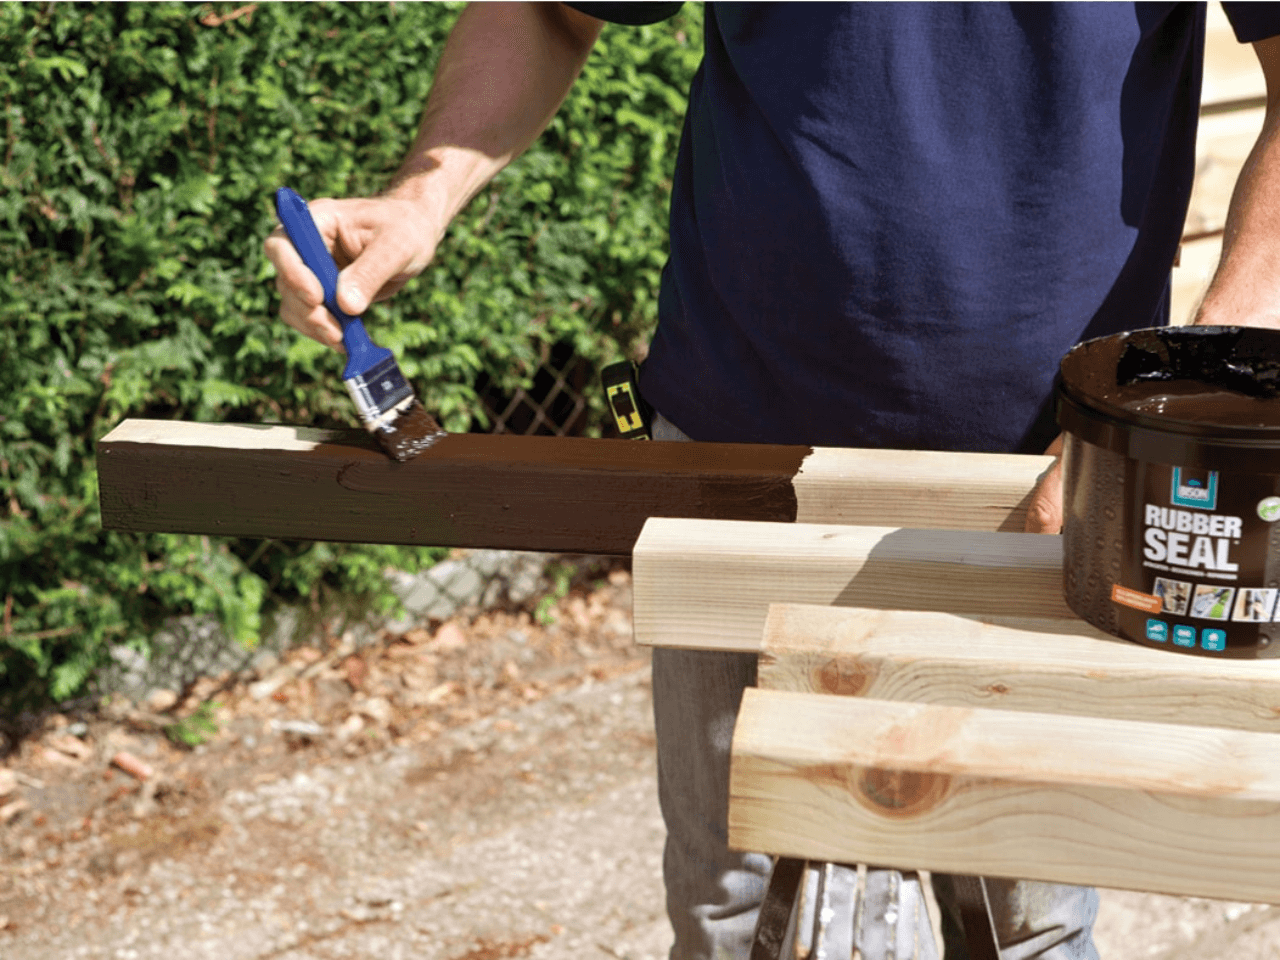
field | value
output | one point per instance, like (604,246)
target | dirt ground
(473,790)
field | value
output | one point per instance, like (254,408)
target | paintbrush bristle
(409,432)
(389,410)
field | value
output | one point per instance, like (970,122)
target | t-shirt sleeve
(633,14)
(1251,21)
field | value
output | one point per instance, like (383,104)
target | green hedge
(142,147)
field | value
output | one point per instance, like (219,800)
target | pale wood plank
(1012,663)
(918,488)
(1191,278)
(708,584)
(1116,803)
(1223,144)
(1232,100)
(1231,70)
(232,436)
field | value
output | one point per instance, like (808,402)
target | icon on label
(1212,602)
(1211,639)
(1176,594)
(1184,636)
(1269,509)
(1157,630)
(1191,491)
(1254,604)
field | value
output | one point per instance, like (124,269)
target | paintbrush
(384,399)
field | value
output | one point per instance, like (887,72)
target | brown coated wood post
(556,494)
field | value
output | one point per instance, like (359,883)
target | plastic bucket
(1171,488)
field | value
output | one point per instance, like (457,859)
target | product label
(1193,491)
(1196,541)
(1196,573)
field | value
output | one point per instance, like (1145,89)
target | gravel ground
(474,790)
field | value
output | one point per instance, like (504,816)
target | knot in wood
(900,793)
(842,678)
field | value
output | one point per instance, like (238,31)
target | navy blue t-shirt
(890,221)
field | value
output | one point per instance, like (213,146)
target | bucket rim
(1100,408)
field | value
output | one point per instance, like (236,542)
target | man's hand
(379,244)
(1044,512)
(503,74)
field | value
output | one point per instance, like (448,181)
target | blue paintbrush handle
(362,353)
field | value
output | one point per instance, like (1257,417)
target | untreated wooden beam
(1010,663)
(1184,810)
(529,493)
(707,584)
(920,489)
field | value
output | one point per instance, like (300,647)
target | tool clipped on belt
(633,416)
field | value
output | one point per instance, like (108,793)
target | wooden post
(1184,810)
(471,490)
(529,493)
(1010,663)
(707,584)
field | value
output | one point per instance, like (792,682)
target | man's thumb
(1044,511)
(379,270)
(351,293)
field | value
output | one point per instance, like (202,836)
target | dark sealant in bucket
(1171,487)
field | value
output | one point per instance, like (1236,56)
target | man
(889,222)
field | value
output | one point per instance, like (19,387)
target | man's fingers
(353,291)
(301,294)
(400,247)
(353,295)
(307,318)
(1044,512)
(291,272)
(378,244)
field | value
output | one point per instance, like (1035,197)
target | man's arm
(1246,287)
(504,72)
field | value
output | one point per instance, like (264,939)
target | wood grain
(918,488)
(1010,663)
(1146,806)
(708,584)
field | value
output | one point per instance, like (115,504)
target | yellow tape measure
(632,415)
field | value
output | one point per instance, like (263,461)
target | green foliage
(200,727)
(562,575)
(142,145)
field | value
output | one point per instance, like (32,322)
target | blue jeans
(713,892)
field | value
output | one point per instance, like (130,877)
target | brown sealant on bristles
(411,432)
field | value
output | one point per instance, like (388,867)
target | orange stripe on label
(1136,599)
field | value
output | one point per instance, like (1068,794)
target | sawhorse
(1165,804)
(986,732)
(825,911)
